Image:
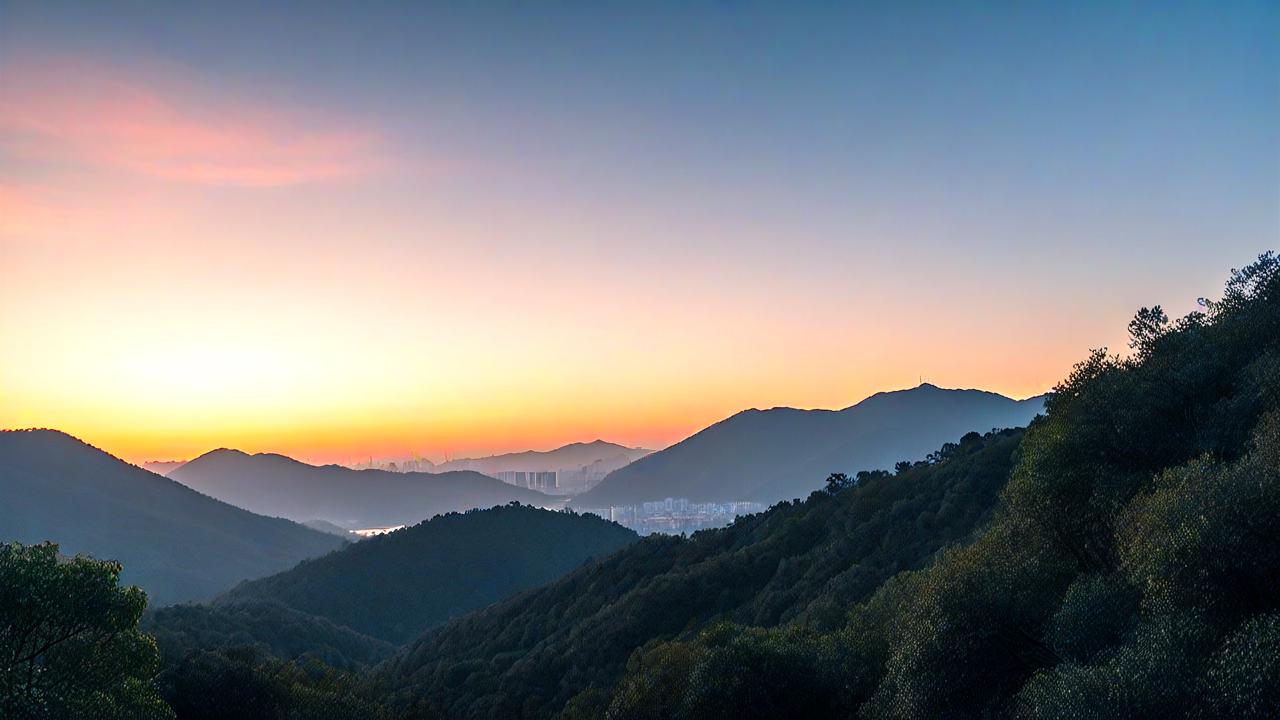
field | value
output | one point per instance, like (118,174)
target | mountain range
(174,542)
(781,453)
(599,453)
(162,467)
(1116,558)
(803,562)
(277,485)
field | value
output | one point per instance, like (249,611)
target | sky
(351,230)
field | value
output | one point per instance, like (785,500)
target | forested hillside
(804,562)
(174,542)
(271,628)
(397,585)
(1128,571)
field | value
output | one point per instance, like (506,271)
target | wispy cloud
(71,113)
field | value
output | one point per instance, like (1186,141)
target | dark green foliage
(985,600)
(273,629)
(730,671)
(395,586)
(1201,548)
(1131,571)
(1206,536)
(1194,387)
(1140,527)
(1243,678)
(837,482)
(69,640)
(802,562)
(242,683)
(1096,613)
(175,543)
(590,704)
(656,683)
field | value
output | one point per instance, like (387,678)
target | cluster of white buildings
(569,481)
(675,515)
(541,480)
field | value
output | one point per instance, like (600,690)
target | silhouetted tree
(839,481)
(69,640)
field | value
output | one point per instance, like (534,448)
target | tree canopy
(1128,572)
(69,640)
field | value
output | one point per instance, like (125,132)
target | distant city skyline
(346,231)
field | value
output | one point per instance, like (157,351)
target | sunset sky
(348,230)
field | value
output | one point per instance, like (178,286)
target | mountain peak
(277,485)
(55,486)
(221,452)
(781,453)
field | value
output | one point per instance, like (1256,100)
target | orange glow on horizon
(184,271)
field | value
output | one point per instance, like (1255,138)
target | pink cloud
(75,114)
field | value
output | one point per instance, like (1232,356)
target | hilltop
(278,485)
(782,453)
(174,542)
(397,585)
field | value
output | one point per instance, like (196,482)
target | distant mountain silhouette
(277,485)
(771,455)
(174,542)
(163,467)
(325,526)
(397,585)
(575,455)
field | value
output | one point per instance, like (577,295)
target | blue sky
(767,182)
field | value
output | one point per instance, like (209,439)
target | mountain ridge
(802,562)
(175,542)
(396,586)
(276,484)
(574,455)
(784,452)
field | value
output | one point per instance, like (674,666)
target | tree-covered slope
(277,485)
(397,585)
(174,542)
(271,628)
(1127,570)
(803,561)
(1130,571)
(784,453)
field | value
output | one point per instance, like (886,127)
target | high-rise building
(543,480)
(519,478)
